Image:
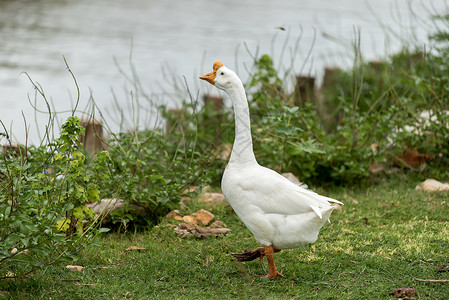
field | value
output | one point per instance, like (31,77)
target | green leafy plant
(43,219)
(379,110)
(151,172)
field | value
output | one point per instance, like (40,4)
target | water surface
(176,40)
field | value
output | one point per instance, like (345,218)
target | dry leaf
(412,158)
(135,248)
(75,268)
(404,293)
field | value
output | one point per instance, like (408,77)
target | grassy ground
(384,238)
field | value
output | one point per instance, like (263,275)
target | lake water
(175,41)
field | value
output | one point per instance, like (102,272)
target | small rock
(377,168)
(75,268)
(217,224)
(204,216)
(201,217)
(432,185)
(212,199)
(174,214)
(190,219)
(14,251)
(135,248)
(106,205)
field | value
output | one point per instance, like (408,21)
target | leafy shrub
(150,172)
(376,114)
(42,212)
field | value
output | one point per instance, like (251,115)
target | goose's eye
(221,73)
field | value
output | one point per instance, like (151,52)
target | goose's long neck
(242,151)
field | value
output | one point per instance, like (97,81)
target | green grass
(384,238)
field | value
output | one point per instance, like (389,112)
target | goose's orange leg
(272,271)
(249,255)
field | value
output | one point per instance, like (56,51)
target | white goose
(279,213)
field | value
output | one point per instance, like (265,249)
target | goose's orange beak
(210,77)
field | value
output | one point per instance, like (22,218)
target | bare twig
(433,280)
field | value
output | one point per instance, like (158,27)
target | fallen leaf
(412,158)
(404,293)
(75,268)
(135,248)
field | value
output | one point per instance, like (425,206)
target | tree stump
(213,101)
(304,90)
(331,77)
(93,136)
(12,149)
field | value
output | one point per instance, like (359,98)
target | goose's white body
(278,212)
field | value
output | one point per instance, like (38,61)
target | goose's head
(222,77)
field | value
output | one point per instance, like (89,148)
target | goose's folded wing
(274,194)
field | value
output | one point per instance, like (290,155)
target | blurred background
(166,45)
